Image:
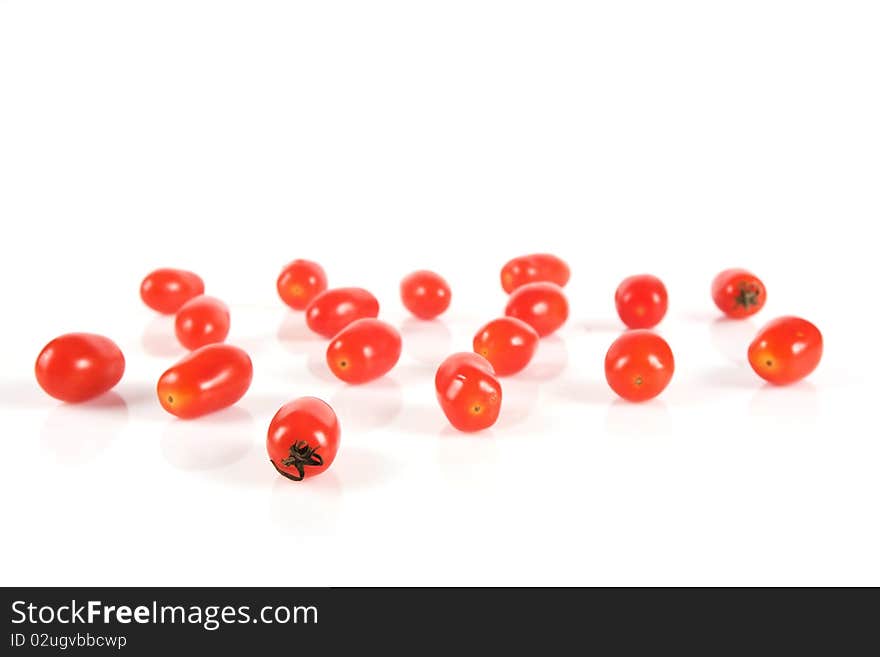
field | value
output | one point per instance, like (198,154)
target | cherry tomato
(468,391)
(639,365)
(200,321)
(641,301)
(300,282)
(507,343)
(166,290)
(542,306)
(206,380)
(425,294)
(333,310)
(738,293)
(364,350)
(786,350)
(79,366)
(534,268)
(303,438)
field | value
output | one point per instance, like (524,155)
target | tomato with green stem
(738,293)
(303,438)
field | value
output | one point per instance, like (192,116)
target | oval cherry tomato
(303,438)
(79,366)
(542,306)
(534,268)
(738,293)
(425,294)
(639,365)
(200,321)
(333,310)
(507,343)
(166,290)
(206,380)
(364,350)
(300,282)
(786,350)
(468,391)
(641,301)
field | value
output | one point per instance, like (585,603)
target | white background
(676,138)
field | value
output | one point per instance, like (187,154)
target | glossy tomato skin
(542,306)
(641,301)
(364,350)
(301,281)
(200,321)
(738,293)
(166,290)
(206,380)
(425,294)
(76,367)
(334,309)
(786,350)
(639,365)
(303,438)
(468,391)
(507,343)
(534,268)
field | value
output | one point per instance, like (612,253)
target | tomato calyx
(748,295)
(301,455)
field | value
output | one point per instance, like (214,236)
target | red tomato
(79,366)
(786,350)
(166,290)
(508,343)
(639,365)
(364,350)
(542,306)
(303,438)
(300,282)
(425,294)
(738,293)
(333,310)
(468,391)
(534,268)
(206,380)
(200,321)
(641,301)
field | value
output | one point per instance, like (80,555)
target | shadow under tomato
(549,361)
(519,398)
(368,406)
(306,507)
(640,420)
(731,338)
(295,335)
(797,403)
(209,442)
(427,341)
(159,339)
(77,433)
(360,468)
(316,363)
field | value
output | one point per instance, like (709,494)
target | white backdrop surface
(674,138)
